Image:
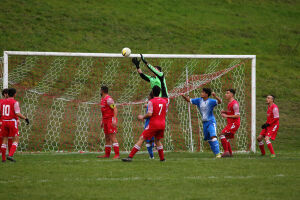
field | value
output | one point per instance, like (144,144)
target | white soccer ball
(126,52)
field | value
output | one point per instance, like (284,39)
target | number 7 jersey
(158,107)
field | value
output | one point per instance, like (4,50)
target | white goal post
(6,66)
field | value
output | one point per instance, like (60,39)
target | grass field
(269,29)
(182,176)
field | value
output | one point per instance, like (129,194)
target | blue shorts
(151,140)
(209,129)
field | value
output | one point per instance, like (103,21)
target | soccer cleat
(104,156)
(218,155)
(151,158)
(3,161)
(128,159)
(116,157)
(10,158)
(164,160)
(273,156)
(226,154)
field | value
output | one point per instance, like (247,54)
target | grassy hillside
(268,29)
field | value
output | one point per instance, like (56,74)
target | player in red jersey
(10,110)
(270,128)
(157,108)
(109,123)
(233,122)
(4,96)
(10,139)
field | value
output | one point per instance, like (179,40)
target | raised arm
(218,98)
(153,69)
(137,65)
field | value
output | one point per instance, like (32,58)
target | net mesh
(61,96)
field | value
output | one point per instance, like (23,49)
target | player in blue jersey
(149,143)
(206,106)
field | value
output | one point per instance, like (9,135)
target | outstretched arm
(137,65)
(188,99)
(153,69)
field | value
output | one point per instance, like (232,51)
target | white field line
(136,178)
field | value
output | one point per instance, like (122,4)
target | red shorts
(149,133)
(270,131)
(108,127)
(0,127)
(9,128)
(230,130)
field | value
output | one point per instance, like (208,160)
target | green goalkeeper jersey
(159,80)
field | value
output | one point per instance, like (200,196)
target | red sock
(224,143)
(107,150)
(116,149)
(270,147)
(9,142)
(135,149)
(3,150)
(13,149)
(229,147)
(1,140)
(161,152)
(262,148)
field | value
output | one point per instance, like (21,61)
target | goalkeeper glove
(265,125)
(143,59)
(136,62)
(27,121)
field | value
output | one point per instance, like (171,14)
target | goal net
(60,94)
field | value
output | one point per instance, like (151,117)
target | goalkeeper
(158,78)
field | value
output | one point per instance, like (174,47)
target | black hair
(151,95)
(11,92)
(156,91)
(159,68)
(272,97)
(231,90)
(104,89)
(207,91)
(4,91)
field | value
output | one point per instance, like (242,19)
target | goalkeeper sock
(13,149)
(150,151)
(134,150)
(224,143)
(161,152)
(214,145)
(3,150)
(116,149)
(9,142)
(262,148)
(270,147)
(107,150)
(229,147)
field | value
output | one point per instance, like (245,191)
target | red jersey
(158,107)
(233,109)
(273,115)
(8,109)
(106,109)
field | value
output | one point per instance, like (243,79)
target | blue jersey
(206,108)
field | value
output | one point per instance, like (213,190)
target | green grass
(182,176)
